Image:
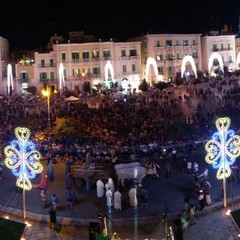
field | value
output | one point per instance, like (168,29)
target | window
(23,76)
(170,69)
(75,56)
(124,68)
(194,55)
(222,48)
(230,59)
(63,57)
(194,42)
(123,53)
(133,68)
(168,43)
(85,55)
(160,70)
(95,54)
(186,43)
(178,56)
(51,63)
(133,53)
(158,44)
(229,46)
(215,47)
(177,42)
(106,53)
(76,72)
(43,76)
(159,57)
(52,76)
(96,71)
(42,63)
(169,57)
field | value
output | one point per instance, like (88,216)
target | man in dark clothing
(69,181)
(53,218)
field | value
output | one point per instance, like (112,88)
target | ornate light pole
(23,159)
(222,150)
(46,93)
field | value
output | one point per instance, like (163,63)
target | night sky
(29,24)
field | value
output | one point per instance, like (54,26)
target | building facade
(105,63)
(218,51)
(155,57)
(4,61)
(169,50)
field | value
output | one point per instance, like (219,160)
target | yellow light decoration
(22,158)
(223,124)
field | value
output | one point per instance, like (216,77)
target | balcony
(85,59)
(158,48)
(133,57)
(95,59)
(47,65)
(76,60)
(106,58)
(23,80)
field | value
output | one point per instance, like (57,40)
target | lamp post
(222,150)
(46,93)
(23,160)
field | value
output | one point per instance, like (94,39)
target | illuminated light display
(211,60)
(23,158)
(61,76)
(9,78)
(238,61)
(222,150)
(188,59)
(151,61)
(108,66)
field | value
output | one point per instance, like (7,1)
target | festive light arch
(185,60)
(23,158)
(238,61)
(9,78)
(211,59)
(61,76)
(108,66)
(151,61)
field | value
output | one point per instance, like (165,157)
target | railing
(46,65)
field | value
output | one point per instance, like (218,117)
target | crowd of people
(127,129)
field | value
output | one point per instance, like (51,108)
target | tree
(32,90)
(144,85)
(162,85)
(68,128)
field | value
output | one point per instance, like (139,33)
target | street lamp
(23,160)
(222,150)
(46,93)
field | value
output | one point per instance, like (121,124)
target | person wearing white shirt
(109,196)
(100,188)
(132,197)
(117,198)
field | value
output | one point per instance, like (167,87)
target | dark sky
(28,24)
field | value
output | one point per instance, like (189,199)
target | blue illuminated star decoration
(223,148)
(23,158)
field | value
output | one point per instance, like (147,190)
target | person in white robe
(110,184)
(117,197)
(100,188)
(109,196)
(132,194)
